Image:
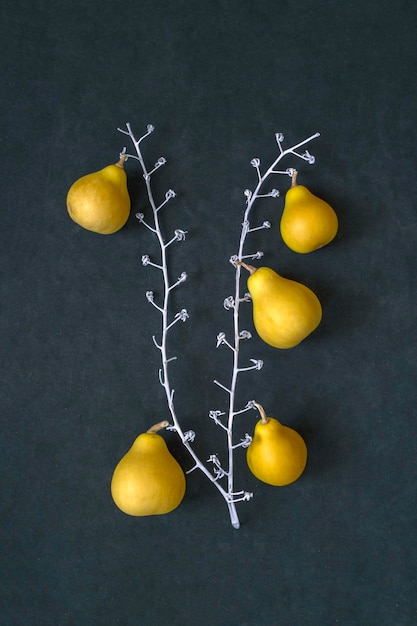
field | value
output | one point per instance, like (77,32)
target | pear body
(100,201)
(307,222)
(284,311)
(148,480)
(277,454)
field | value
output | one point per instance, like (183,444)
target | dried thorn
(180,280)
(220,339)
(180,316)
(229,303)
(248,194)
(258,363)
(216,382)
(147,261)
(183,315)
(257,255)
(219,472)
(265,224)
(285,172)
(309,157)
(150,298)
(244,443)
(248,407)
(239,496)
(189,435)
(161,161)
(169,194)
(141,218)
(180,234)
(214,415)
(149,130)
(155,342)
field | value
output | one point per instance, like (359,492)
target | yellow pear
(277,454)
(284,311)
(100,201)
(307,222)
(148,480)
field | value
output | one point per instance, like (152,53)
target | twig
(233,303)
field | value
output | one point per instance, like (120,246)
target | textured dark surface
(79,370)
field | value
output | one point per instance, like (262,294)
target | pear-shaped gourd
(307,222)
(100,201)
(284,311)
(148,480)
(277,454)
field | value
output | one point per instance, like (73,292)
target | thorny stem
(229,495)
(164,377)
(237,299)
(156,427)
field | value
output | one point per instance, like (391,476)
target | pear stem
(264,418)
(294,178)
(121,161)
(159,426)
(250,268)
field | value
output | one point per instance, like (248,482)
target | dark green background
(217,79)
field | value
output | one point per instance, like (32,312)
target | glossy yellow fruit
(277,454)
(307,222)
(284,311)
(100,201)
(148,480)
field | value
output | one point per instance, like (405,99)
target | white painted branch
(230,303)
